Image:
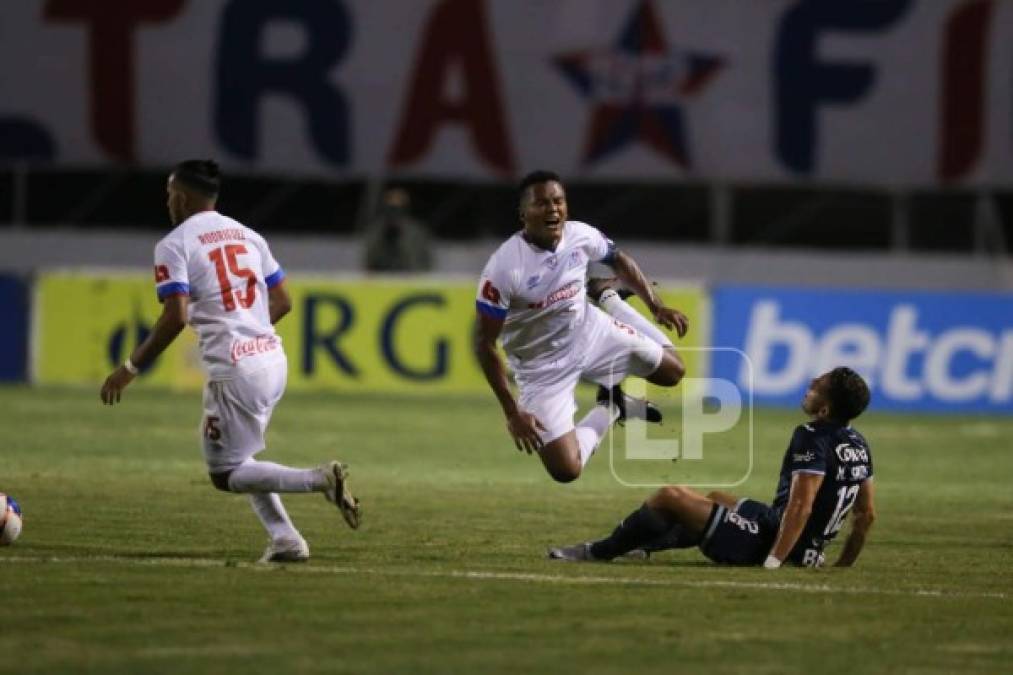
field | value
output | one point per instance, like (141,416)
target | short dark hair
(201,175)
(535,178)
(848,394)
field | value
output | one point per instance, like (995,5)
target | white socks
(617,308)
(592,428)
(254,476)
(275,520)
(261,480)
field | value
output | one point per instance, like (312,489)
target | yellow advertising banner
(360,334)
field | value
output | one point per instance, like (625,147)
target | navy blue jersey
(842,456)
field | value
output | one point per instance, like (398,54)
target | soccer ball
(10,520)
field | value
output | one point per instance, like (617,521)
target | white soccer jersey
(541,294)
(226,269)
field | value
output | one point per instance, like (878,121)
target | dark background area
(775,216)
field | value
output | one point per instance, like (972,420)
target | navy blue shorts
(754,510)
(742,536)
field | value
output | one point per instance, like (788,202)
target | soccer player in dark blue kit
(826,473)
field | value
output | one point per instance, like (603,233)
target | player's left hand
(672,318)
(524,427)
(115,384)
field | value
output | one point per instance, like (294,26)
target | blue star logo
(637,88)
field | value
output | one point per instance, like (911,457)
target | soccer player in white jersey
(219,275)
(532,296)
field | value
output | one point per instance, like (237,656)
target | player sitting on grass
(532,294)
(826,472)
(219,275)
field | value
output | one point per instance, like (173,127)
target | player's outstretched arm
(633,278)
(523,426)
(168,326)
(279,302)
(804,487)
(863,514)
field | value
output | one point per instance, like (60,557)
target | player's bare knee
(679,368)
(670,372)
(565,474)
(676,368)
(727,500)
(660,497)
(665,497)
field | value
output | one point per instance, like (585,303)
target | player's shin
(592,428)
(638,529)
(621,310)
(254,476)
(676,536)
(272,515)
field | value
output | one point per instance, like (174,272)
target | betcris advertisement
(919,351)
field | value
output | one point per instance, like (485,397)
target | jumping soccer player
(532,294)
(220,276)
(826,473)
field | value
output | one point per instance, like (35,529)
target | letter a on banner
(456,37)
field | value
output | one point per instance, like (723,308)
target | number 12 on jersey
(846,496)
(225,262)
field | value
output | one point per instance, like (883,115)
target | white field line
(489,575)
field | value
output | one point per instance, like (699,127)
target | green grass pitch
(130,562)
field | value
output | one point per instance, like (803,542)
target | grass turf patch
(131,562)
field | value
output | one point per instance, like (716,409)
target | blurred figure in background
(396,241)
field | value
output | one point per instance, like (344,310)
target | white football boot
(286,551)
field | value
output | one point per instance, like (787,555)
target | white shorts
(236,414)
(613,351)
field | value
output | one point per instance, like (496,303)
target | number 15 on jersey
(225,261)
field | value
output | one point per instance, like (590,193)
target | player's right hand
(523,427)
(672,318)
(115,384)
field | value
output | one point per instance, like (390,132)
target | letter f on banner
(802,82)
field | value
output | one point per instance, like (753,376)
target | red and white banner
(886,92)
